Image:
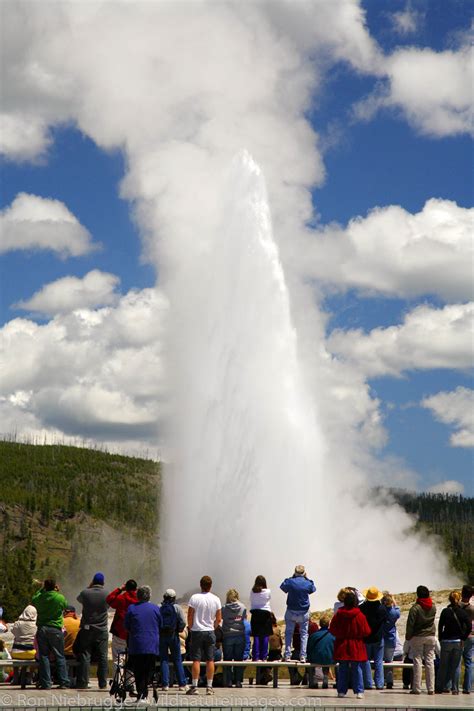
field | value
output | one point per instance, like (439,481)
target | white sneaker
(182,688)
(210,691)
(359,696)
(341,696)
(165,688)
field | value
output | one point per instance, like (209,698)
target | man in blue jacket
(298,589)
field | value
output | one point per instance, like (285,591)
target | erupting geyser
(251,489)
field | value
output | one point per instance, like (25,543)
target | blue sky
(392,157)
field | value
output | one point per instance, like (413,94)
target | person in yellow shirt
(71,628)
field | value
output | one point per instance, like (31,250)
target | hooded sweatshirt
(349,627)
(233,615)
(421,619)
(24,629)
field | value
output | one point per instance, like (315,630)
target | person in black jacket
(376,614)
(453,628)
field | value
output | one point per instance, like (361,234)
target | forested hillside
(449,516)
(62,509)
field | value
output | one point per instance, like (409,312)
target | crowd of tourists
(359,635)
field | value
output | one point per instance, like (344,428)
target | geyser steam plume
(250,490)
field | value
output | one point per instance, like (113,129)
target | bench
(276,666)
(23,664)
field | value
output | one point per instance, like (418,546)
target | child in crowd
(321,651)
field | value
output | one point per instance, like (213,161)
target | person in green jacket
(421,633)
(50,604)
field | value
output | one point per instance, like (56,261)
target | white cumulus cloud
(455,408)
(396,253)
(92,373)
(433,90)
(69,293)
(427,338)
(32,222)
(450,486)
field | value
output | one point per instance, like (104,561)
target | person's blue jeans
(170,646)
(293,618)
(450,658)
(51,640)
(388,652)
(467,652)
(356,671)
(374,653)
(233,647)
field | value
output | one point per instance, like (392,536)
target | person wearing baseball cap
(174,622)
(94,635)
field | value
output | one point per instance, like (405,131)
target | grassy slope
(60,506)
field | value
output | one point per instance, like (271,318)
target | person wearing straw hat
(376,615)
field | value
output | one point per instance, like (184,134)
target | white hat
(170,593)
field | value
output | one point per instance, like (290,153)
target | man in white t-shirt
(204,615)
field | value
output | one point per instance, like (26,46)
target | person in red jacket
(120,600)
(349,626)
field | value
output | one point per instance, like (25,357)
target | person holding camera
(50,605)
(298,589)
(120,600)
(93,637)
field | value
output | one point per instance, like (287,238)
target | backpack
(169,618)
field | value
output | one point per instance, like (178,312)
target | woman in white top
(261,621)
